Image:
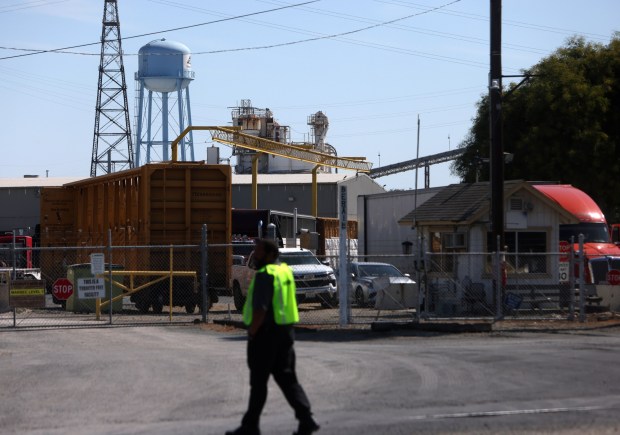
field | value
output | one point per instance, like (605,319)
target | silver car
(364,281)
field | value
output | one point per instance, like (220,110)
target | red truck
(597,238)
(22,261)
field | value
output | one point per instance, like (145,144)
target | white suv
(314,280)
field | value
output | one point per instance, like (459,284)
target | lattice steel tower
(112,148)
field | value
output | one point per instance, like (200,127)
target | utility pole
(495,111)
(112,147)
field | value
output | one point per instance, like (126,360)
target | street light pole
(495,110)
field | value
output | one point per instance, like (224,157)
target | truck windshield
(592,232)
(375,270)
(299,258)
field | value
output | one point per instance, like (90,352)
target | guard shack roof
(466,203)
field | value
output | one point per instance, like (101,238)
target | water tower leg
(164,125)
(188,108)
(139,128)
(149,137)
(181,124)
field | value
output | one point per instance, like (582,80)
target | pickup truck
(315,281)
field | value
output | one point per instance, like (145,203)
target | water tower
(163,78)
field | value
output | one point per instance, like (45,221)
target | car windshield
(592,232)
(375,270)
(299,258)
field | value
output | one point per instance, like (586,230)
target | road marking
(505,413)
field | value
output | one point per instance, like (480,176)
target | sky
(372,85)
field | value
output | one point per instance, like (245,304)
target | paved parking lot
(189,380)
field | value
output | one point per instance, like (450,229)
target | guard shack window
(525,251)
(446,246)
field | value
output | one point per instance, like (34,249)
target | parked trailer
(155,205)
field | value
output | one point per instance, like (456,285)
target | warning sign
(27,293)
(91,288)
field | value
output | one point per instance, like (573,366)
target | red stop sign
(564,250)
(613,277)
(62,289)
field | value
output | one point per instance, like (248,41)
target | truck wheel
(142,306)
(157,304)
(238,297)
(190,307)
(328,301)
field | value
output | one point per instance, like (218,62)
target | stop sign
(62,289)
(564,250)
(613,277)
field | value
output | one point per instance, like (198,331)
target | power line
(28,5)
(289,43)
(154,33)
(478,17)
(417,29)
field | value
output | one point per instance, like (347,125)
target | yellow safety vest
(284,301)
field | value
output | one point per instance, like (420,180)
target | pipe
(315,192)
(255,180)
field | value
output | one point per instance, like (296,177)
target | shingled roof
(457,203)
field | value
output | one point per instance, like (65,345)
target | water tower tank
(165,66)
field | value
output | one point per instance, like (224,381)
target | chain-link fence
(97,285)
(101,285)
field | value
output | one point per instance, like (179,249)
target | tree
(562,125)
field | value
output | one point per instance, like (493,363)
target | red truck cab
(592,224)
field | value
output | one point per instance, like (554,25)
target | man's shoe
(244,430)
(307,427)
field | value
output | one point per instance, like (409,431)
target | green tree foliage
(562,125)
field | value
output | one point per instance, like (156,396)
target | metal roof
(237,179)
(13,183)
(463,203)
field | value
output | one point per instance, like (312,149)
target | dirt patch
(593,321)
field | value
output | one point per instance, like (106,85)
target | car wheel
(359,297)
(238,297)
(190,307)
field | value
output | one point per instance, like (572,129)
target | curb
(453,328)
(240,325)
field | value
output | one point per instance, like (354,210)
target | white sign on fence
(97,263)
(564,271)
(91,288)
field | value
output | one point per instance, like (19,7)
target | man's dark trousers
(271,352)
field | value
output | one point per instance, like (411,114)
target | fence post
(14,255)
(571,280)
(582,286)
(171,286)
(14,275)
(110,269)
(204,307)
(498,281)
(343,281)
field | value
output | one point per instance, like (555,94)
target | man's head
(265,252)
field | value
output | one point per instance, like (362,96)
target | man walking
(270,311)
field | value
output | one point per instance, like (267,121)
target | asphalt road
(184,380)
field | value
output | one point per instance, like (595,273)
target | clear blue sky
(372,85)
